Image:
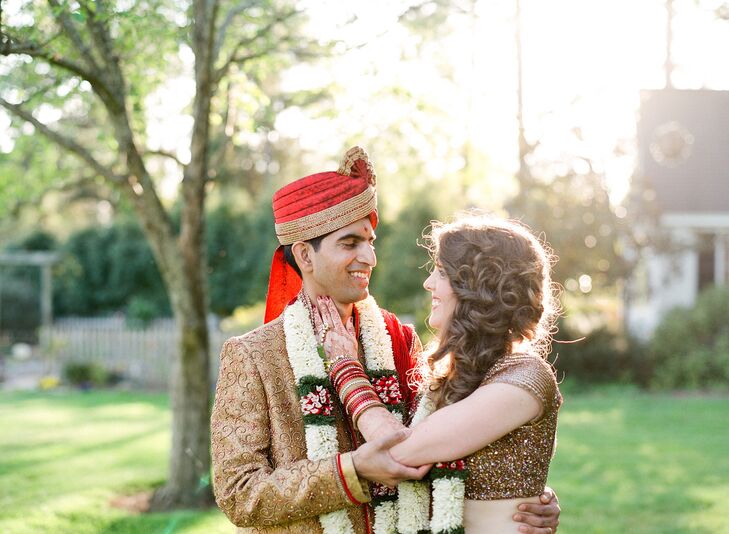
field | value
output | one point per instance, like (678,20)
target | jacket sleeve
(248,488)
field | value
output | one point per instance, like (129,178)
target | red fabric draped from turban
(314,206)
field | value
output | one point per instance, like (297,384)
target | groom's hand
(378,422)
(541,518)
(373,462)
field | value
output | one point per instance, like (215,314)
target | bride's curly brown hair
(500,275)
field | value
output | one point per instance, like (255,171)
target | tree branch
(12,46)
(234,56)
(165,154)
(42,90)
(61,140)
(98,29)
(29,48)
(229,17)
(68,27)
(83,181)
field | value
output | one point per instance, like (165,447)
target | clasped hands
(380,428)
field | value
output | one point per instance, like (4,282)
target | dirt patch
(137,503)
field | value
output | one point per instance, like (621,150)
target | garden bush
(600,356)
(87,374)
(690,348)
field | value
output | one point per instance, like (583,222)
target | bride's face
(443,300)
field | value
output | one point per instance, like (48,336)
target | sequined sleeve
(248,488)
(532,374)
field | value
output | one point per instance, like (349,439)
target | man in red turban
(288,456)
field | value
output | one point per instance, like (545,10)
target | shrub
(85,374)
(690,348)
(141,312)
(600,356)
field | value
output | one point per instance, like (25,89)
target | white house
(683,176)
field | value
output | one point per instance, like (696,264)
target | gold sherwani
(262,478)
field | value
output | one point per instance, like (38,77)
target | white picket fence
(143,356)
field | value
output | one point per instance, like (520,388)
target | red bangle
(356,403)
(347,370)
(350,394)
(358,394)
(344,362)
(343,376)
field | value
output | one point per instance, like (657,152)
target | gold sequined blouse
(517,464)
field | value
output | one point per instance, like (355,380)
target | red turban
(314,206)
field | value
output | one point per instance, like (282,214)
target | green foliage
(108,269)
(86,374)
(19,295)
(690,348)
(37,240)
(244,319)
(600,356)
(103,268)
(240,248)
(141,312)
(397,282)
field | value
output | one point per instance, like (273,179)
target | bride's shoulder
(525,369)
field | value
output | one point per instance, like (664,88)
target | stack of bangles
(353,386)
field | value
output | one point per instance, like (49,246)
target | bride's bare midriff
(493,517)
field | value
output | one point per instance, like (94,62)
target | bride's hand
(336,338)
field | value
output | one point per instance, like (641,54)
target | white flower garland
(386,518)
(321,440)
(447,505)
(413,500)
(375,337)
(410,513)
(413,507)
(376,340)
(377,346)
(414,497)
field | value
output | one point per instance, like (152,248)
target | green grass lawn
(626,462)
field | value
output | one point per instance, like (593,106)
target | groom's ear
(302,252)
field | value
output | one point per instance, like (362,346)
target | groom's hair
(289,255)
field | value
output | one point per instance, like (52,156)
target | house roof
(683,147)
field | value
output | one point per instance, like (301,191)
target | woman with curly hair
(492,395)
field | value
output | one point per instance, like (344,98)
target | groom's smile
(343,264)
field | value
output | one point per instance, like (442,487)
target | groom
(268,474)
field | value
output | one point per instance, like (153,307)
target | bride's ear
(302,252)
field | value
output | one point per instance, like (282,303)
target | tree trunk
(189,480)
(188,484)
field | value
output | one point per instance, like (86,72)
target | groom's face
(342,266)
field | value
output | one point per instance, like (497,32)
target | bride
(494,397)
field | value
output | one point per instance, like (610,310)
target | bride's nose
(426,284)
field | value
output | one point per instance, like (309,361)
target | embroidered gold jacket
(262,478)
